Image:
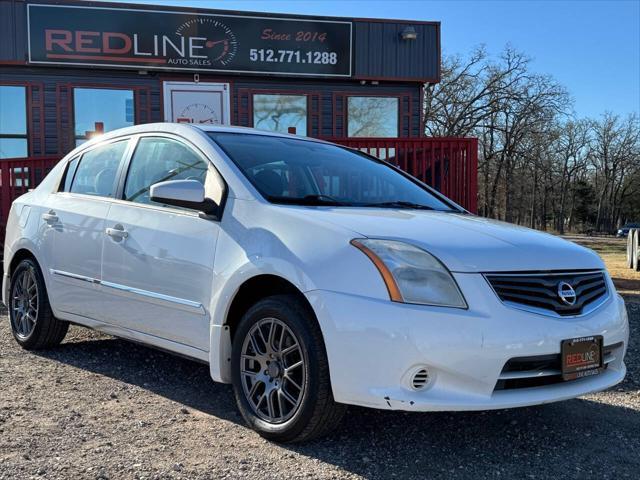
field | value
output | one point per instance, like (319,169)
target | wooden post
(635,248)
(630,249)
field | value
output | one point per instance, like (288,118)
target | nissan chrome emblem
(566,293)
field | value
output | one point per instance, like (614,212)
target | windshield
(292,171)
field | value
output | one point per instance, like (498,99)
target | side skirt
(145,339)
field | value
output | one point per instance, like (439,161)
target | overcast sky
(592,47)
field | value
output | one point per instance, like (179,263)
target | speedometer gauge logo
(221,44)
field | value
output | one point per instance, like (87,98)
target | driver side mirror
(184,193)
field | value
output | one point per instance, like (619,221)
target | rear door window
(98,169)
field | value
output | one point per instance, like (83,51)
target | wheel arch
(251,290)
(255,289)
(22,245)
(18,256)
(22,251)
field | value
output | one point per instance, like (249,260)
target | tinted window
(288,170)
(13,122)
(96,173)
(98,110)
(372,116)
(158,160)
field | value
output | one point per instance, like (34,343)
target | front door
(186,102)
(157,264)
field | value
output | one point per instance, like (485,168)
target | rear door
(157,261)
(74,228)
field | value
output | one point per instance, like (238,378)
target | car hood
(467,243)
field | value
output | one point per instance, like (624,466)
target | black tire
(317,412)
(630,238)
(636,250)
(47,331)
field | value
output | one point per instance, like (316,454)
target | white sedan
(308,275)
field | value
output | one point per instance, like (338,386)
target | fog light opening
(420,379)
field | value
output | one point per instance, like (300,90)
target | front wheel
(32,321)
(280,372)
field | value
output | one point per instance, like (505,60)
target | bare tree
(538,165)
(572,149)
(614,156)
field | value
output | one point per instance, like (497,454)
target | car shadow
(569,439)
(179,379)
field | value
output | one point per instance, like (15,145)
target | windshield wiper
(322,198)
(399,204)
(310,200)
(326,200)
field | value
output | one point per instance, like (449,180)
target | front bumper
(374,346)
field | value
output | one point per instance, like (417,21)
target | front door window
(159,160)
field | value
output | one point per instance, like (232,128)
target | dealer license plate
(581,357)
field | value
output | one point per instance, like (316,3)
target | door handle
(118,232)
(50,217)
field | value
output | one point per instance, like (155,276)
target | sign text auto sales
(144,39)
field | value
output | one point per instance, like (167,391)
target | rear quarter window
(70,171)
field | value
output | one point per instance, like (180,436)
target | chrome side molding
(157,296)
(173,301)
(75,276)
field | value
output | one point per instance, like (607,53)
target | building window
(372,116)
(13,122)
(98,110)
(279,113)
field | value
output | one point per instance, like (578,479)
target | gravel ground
(98,407)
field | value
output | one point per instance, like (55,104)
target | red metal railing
(450,165)
(17,176)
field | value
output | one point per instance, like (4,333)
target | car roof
(182,129)
(235,129)
(177,128)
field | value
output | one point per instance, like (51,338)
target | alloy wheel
(24,303)
(272,370)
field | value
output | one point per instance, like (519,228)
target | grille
(537,371)
(540,291)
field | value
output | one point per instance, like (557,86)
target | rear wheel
(32,321)
(280,372)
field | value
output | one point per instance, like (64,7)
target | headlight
(411,274)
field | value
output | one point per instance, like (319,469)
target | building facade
(70,70)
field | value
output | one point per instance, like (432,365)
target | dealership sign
(145,39)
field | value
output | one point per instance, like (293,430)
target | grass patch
(613,252)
